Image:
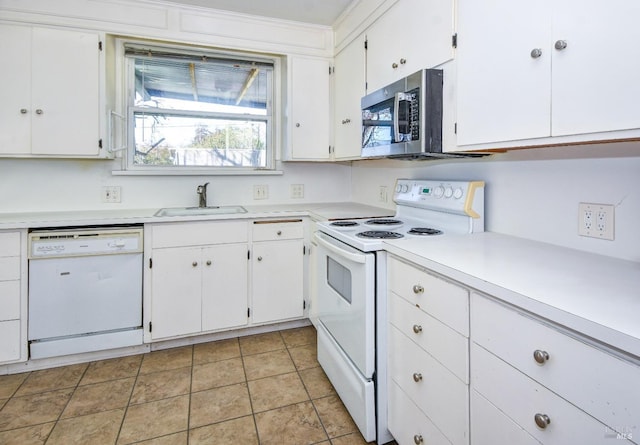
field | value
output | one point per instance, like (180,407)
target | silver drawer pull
(417,328)
(23,111)
(535,53)
(417,439)
(394,65)
(417,289)
(39,111)
(540,357)
(417,377)
(208,262)
(259,258)
(194,264)
(279,232)
(542,420)
(560,45)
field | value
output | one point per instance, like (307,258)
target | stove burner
(383,222)
(379,234)
(424,231)
(344,224)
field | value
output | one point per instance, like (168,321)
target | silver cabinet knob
(394,65)
(39,111)
(259,258)
(298,125)
(194,264)
(540,357)
(208,262)
(403,61)
(279,232)
(417,377)
(417,439)
(560,45)
(542,420)
(23,111)
(535,53)
(417,328)
(417,289)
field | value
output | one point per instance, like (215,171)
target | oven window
(339,278)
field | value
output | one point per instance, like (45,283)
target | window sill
(257,172)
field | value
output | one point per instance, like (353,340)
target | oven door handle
(354,256)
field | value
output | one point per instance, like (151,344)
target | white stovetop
(596,295)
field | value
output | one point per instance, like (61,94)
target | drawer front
(522,398)
(446,345)
(443,300)
(271,230)
(9,244)
(439,394)
(492,426)
(9,268)
(600,384)
(9,300)
(407,424)
(199,234)
(10,344)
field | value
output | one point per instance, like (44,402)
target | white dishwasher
(85,290)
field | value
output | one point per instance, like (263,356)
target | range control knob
(405,188)
(448,192)
(398,188)
(438,191)
(457,193)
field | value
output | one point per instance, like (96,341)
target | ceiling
(319,12)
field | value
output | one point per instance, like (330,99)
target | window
(192,109)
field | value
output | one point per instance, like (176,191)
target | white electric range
(351,288)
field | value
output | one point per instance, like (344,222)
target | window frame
(125,103)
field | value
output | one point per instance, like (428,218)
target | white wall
(535,193)
(59,185)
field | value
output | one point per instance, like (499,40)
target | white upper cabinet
(309,110)
(562,71)
(51,96)
(410,36)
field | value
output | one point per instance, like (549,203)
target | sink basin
(188,211)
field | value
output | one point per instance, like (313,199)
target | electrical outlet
(297,191)
(596,220)
(260,191)
(382,194)
(111,193)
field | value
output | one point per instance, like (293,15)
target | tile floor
(263,389)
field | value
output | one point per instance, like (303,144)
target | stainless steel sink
(189,211)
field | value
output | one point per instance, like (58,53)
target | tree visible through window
(193,109)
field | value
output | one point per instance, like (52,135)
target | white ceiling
(320,12)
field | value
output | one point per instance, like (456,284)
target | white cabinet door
(309,101)
(503,92)
(176,288)
(349,87)
(595,78)
(11,340)
(224,286)
(277,280)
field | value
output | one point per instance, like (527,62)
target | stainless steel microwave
(404,119)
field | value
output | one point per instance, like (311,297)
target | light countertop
(317,211)
(595,295)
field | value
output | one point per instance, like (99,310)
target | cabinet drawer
(9,268)
(276,230)
(604,386)
(9,244)
(10,344)
(446,345)
(407,423)
(439,394)
(443,300)
(9,300)
(522,398)
(199,234)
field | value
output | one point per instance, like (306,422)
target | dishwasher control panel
(83,242)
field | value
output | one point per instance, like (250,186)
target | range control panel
(461,197)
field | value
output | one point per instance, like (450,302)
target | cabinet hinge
(150,263)
(248,254)
(455,128)
(332,69)
(366,45)
(454,40)
(100,143)
(304,250)
(150,326)
(248,312)
(304,304)
(99,46)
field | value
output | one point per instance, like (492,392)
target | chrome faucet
(202,192)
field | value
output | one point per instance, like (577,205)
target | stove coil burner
(424,231)
(344,224)
(379,234)
(384,222)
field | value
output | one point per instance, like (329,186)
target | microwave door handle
(356,258)
(396,123)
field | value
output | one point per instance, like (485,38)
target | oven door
(346,329)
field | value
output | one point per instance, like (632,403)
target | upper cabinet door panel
(503,89)
(66,88)
(595,79)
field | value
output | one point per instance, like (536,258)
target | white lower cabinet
(277,270)
(12,269)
